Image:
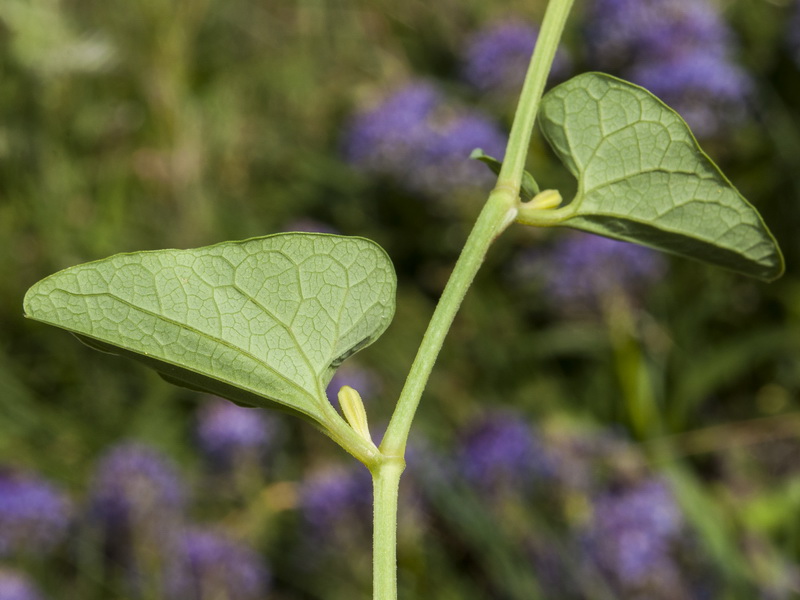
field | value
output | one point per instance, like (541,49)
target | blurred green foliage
(131,126)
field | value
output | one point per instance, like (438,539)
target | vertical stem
(555,17)
(385,483)
(499,212)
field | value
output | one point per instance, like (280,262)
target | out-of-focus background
(604,422)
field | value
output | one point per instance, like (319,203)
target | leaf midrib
(655,224)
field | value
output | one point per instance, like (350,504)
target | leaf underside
(642,177)
(262,322)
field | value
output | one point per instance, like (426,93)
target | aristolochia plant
(267,321)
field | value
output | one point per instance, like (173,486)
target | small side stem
(385,483)
(342,433)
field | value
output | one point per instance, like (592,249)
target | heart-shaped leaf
(643,178)
(262,321)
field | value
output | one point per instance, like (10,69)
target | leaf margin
(171,371)
(569,216)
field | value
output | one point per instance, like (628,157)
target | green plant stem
(500,210)
(385,483)
(555,18)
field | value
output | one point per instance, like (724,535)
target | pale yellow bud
(354,412)
(546,199)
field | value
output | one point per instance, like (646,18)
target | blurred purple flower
(336,495)
(228,433)
(413,138)
(502,452)
(34,515)
(136,494)
(678,49)
(623,32)
(581,270)
(384,138)
(207,564)
(446,165)
(16,586)
(698,86)
(496,58)
(632,532)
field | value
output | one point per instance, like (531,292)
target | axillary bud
(354,411)
(546,199)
